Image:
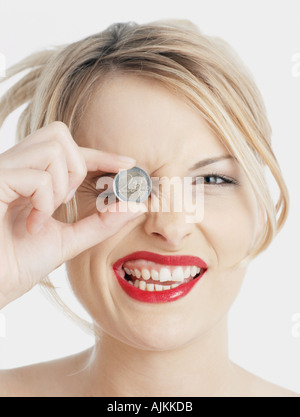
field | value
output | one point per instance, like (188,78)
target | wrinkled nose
(171,228)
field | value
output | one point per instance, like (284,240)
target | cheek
(77,268)
(91,280)
(78,274)
(231,227)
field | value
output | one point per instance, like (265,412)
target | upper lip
(163,259)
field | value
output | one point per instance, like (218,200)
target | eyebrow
(209,161)
(95,175)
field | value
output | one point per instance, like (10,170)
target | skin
(168,349)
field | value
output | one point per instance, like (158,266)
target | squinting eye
(213,180)
(216,180)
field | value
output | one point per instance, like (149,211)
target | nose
(170,228)
(169,225)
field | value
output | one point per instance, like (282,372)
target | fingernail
(126,160)
(70,195)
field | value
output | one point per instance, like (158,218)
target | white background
(266,34)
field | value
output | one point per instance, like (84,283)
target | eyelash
(227,180)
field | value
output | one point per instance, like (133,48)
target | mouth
(150,277)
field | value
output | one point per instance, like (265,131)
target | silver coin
(133,184)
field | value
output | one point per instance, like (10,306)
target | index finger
(97,160)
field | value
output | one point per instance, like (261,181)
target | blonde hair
(202,69)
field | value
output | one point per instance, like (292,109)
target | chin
(160,337)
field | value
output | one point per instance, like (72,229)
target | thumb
(92,230)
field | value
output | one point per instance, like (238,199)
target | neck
(201,368)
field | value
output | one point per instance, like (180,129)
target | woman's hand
(36,177)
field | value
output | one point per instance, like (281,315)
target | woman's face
(140,118)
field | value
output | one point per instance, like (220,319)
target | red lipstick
(164,295)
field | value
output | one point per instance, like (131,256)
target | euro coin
(133,184)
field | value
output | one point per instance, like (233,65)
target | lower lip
(156,296)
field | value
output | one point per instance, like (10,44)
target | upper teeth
(165,273)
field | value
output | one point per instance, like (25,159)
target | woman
(180,104)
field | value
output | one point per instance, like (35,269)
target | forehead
(137,116)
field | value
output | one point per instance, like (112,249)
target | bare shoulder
(57,378)
(254,386)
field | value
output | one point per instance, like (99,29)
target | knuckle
(55,149)
(83,164)
(45,179)
(59,127)
(61,131)
(80,173)
(77,178)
